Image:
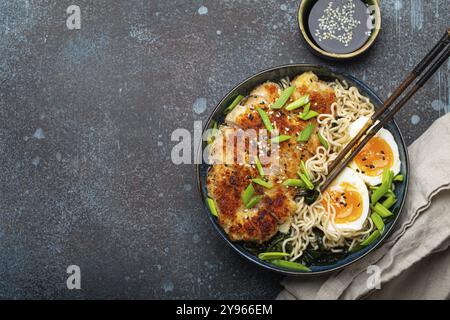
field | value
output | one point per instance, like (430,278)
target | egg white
(384,134)
(350,177)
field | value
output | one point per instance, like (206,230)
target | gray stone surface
(86,119)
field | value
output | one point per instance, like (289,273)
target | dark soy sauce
(340,26)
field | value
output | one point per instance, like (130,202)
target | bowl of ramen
(267,148)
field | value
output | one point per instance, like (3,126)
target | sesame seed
(338,23)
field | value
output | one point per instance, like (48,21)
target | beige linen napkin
(415,260)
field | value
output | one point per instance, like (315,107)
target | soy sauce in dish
(340,26)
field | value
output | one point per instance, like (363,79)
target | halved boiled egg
(380,152)
(349,197)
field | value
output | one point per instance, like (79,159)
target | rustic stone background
(86,118)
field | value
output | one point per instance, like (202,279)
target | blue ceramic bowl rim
(349,259)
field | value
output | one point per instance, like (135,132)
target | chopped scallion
(290,265)
(213,133)
(298,103)
(373,236)
(263,183)
(384,187)
(265,119)
(272,255)
(306,108)
(378,221)
(233,104)
(306,133)
(248,193)
(306,116)
(294,183)
(322,140)
(382,210)
(306,180)
(284,97)
(303,167)
(253,202)
(280,138)
(259,167)
(389,201)
(212,207)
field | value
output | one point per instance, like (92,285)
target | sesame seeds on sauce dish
(340,26)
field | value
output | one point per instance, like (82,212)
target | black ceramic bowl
(275,74)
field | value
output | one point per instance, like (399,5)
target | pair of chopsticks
(422,72)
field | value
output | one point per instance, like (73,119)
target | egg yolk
(347,203)
(375,155)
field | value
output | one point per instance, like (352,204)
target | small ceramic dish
(363,35)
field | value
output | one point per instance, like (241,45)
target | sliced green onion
(272,255)
(290,265)
(259,167)
(306,180)
(306,108)
(263,183)
(280,138)
(373,236)
(386,175)
(284,97)
(382,210)
(265,119)
(253,201)
(248,193)
(323,141)
(311,114)
(391,179)
(306,133)
(378,221)
(303,167)
(294,183)
(213,131)
(298,103)
(233,104)
(384,187)
(389,201)
(390,193)
(212,207)
(399,178)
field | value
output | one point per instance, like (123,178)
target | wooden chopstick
(442,51)
(417,71)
